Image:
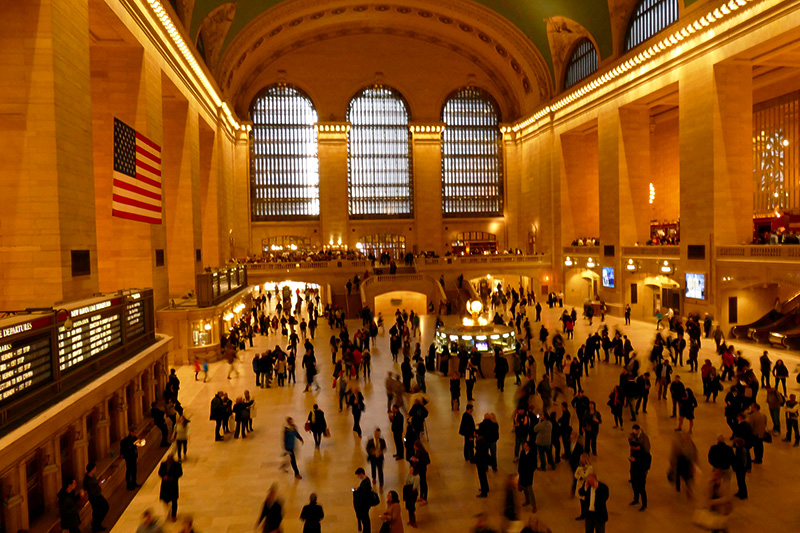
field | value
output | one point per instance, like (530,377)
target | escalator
(774,320)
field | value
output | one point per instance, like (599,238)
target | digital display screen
(696,286)
(134,319)
(482,346)
(24,363)
(608,277)
(90,336)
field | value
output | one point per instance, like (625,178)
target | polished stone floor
(224,483)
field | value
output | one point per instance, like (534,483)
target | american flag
(137,176)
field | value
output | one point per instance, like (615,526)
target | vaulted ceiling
(529,16)
(517,48)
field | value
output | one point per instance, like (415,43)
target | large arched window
(284,164)
(582,63)
(379,155)
(472,157)
(649,18)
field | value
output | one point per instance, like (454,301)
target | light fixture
(568,261)
(666,267)
(672,40)
(590,263)
(631,266)
(228,317)
(207,327)
(652,193)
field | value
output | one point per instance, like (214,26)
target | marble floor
(224,483)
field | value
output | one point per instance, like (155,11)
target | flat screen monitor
(696,286)
(608,277)
(482,346)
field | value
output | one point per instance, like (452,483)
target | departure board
(90,335)
(134,319)
(24,363)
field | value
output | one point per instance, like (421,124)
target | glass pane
(649,18)
(284,163)
(472,164)
(379,155)
(583,63)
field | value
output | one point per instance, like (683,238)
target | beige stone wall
(45,149)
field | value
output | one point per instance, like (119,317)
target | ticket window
(35,490)
(202,333)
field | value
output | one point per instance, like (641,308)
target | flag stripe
(136,203)
(148,180)
(155,189)
(145,166)
(148,142)
(135,210)
(155,198)
(133,216)
(142,151)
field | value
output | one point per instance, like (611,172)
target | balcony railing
(482,260)
(583,251)
(673,252)
(785,252)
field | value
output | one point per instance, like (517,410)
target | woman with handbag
(410,494)
(392,519)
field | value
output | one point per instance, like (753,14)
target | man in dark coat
(376,448)
(217,414)
(69,506)
(397,420)
(159,419)
(362,501)
(130,452)
(467,430)
(169,472)
(596,495)
(525,468)
(482,462)
(96,499)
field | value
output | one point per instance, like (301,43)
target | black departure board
(93,333)
(134,319)
(24,363)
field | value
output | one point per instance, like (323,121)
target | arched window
(379,155)
(582,63)
(649,18)
(472,160)
(378,243)
(284,164)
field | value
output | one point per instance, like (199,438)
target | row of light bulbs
(179,42)
(664,266)
(720,13)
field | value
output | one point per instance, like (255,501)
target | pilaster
(333,185)
(427,159)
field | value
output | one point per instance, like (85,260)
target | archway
(389,302)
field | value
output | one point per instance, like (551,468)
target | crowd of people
(555,423)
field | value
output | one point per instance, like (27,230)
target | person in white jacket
(182,435)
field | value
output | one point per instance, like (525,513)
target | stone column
(427,159)
(635,176)
(80,448)
(180,166)
(102,436)
(241,191)
(46,149)
(51,478)
(22,473)
(333,186)
(135,405)
(16,511)
(733,154)
(121,412)
(150,389)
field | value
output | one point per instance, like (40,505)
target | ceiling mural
(530,16)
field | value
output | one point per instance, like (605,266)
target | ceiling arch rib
(265,68)
(492,41)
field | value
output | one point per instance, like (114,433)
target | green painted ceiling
(528,15)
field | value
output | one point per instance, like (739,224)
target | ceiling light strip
(179,42)
(720,13)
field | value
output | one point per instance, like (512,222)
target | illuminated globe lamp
(477,332)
